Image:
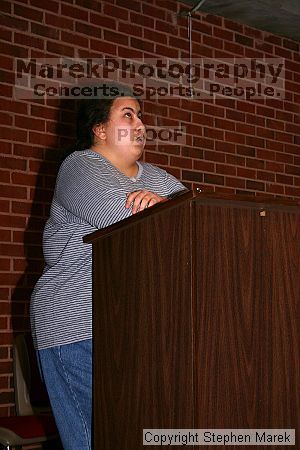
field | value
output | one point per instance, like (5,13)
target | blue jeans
(67,372)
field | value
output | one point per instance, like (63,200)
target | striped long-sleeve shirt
(90,194)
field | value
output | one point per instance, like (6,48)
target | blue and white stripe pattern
(90,194)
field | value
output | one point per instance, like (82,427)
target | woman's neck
(128,168)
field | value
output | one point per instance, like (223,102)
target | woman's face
(125,133)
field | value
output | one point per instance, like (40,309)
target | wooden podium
(196,319)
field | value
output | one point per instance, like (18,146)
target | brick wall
(232,145)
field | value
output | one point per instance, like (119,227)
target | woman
(97,185)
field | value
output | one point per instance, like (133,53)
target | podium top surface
(259,203)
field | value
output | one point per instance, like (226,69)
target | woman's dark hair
(96,110)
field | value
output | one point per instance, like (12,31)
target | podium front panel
(142,329)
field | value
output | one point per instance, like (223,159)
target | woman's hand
(140,200)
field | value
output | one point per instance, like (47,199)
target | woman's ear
(99,131)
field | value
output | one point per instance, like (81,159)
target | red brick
(6,148)
(75,39)
(142,45)
(192,152)
(265,176)
(246,107)
(5,264)
(274,166)
(213,179)
(192,176)
(214,156)
(124,52)
(28,13)
(225,169)
(255,185)
(274,39)
(255,163)
(42,139)
(215,20)
(245,150)
(4,207)
(255,141)
(28,151)
(225,190)
(292,170)
(293,191)
(233,137)
(253,53)
(181,115)
(244,40)
(13,22)
(279,51)
(235,115)
(75,13)
(9,221)
(166,51)
(284,137)
(204,166)
(264,111)
(5,119)
(214,110)
(234,49)
(295,108)
(213,42)
(60,49)
(202,119)
(23,179)
(185,163)
(202,50)
(274,124)
(13,163)
(45,31)
(178,43)
(116,38)
(48,6)
(13,50)
(235,182)
(29,123)
(224,124)
(223,34)
(244,128)
(133,4)
(284,179)
(28,41)
(13,192)
(233,26)
(201,142)
(275,145)
(213,133)
(90,4)
(7,63)
(166,27)
(5,176)
(130,29)
(6,7)
(265,133)
(5,35)
(7,77)
(246,173)
(142,20)
(265,154)
(112,10)
(57,22)
(284,157)
(225,146)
